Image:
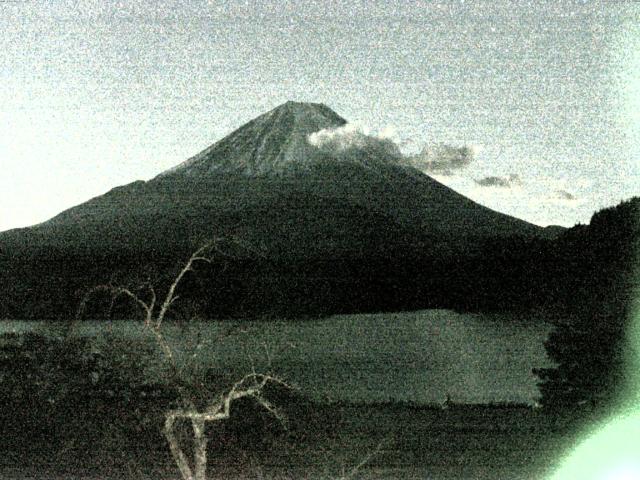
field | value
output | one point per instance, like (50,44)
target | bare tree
(155,309)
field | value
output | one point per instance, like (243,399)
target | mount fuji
(354,215)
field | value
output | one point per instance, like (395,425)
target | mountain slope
(269,144)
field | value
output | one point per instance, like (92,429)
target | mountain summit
(271,143)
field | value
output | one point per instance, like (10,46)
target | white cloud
(442,159)
(352,138)
(435,159)
(509,181)
(563,197)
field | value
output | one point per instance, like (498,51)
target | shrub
(60,393)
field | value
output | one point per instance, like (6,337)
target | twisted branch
(249,386)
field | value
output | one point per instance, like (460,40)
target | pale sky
(97,94)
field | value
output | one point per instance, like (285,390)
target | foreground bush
(61,395)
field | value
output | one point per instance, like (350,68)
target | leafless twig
(251,385)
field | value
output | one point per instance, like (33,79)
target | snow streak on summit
(270,144)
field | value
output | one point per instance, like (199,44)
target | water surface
(417,357)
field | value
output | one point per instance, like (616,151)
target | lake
(419,357)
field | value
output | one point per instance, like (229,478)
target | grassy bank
(330,441)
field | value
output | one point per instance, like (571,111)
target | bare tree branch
(249,386)
(171,297)
(177,453)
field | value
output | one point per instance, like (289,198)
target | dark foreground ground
(336,441)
